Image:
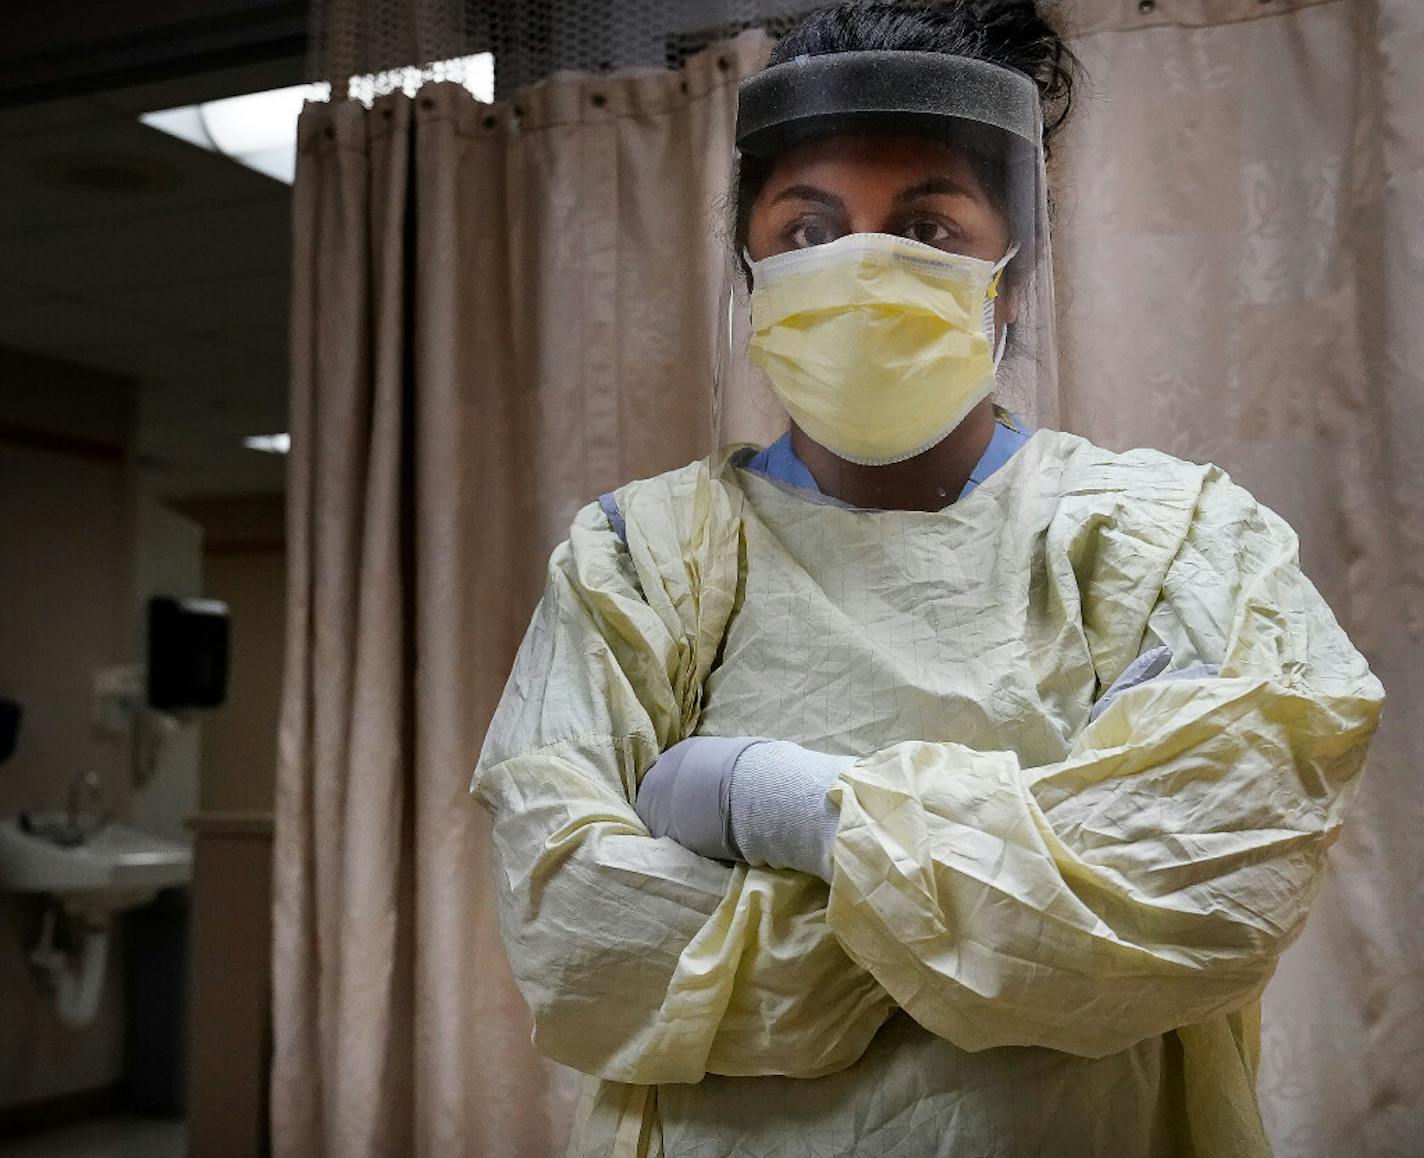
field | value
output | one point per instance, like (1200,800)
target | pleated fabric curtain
(1240,268)
(499,312)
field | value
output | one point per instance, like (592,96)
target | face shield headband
(929,92)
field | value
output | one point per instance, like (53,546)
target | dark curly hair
(1009,33)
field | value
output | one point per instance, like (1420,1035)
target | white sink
(117,867)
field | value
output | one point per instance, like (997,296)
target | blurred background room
(295,404)
(144,325)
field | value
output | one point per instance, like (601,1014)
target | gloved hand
(745,798)
(764,801)
(1150,665)
(687,794)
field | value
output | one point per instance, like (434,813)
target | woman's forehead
(880,159)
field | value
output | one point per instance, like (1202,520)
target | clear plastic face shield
(890,273)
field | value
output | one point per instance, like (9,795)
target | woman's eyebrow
(810,193)
(933,186)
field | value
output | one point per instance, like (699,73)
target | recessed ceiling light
(270,443)
(259,129)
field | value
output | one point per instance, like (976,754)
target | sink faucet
(81,785)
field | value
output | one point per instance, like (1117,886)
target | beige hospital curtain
(1240,266)
(499,313)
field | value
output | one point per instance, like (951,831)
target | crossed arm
(1149,880)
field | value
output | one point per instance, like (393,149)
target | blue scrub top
(778,461)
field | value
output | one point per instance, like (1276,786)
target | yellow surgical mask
(877,345)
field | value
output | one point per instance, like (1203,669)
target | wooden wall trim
(228,547)
(12,434)
(254,825)
(60,1110)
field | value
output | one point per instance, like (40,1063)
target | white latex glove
(1150,665)
(745,798)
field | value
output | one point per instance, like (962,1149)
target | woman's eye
(928,232)
(811,232)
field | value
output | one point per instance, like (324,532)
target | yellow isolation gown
(1044,936)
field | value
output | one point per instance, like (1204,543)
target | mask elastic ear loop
(998,271)
(1002,340)
(1001,345)
(731,313)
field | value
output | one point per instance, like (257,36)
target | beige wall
(244,565)
(65,610)
(230,1042)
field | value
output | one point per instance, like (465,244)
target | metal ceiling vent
(110,173)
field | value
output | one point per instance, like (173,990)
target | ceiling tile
(75,178)
(265,340)
(189,90)
(245,472)
(229,409)
(183,246)
(61,327)
(186,361)
(13,293)
(23,120)
(250,304)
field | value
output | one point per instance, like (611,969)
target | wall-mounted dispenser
(187,653)
(10,714)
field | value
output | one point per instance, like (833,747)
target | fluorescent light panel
(270,443)
(259,129)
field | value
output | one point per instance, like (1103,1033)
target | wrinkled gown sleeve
(1152,878)
(641,961)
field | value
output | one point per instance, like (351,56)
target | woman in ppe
(920,784)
